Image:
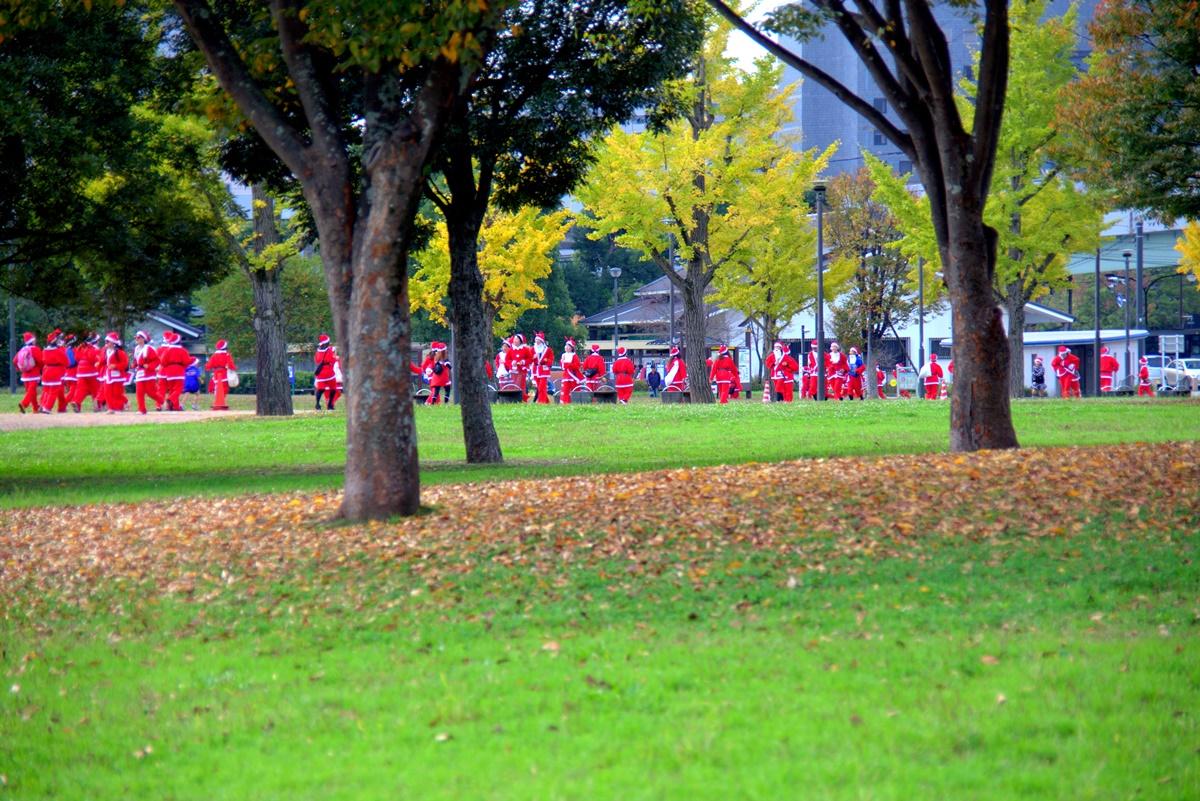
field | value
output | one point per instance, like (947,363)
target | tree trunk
(273,391)
(695,322)
(980,416)
(472,327)
(1014,301)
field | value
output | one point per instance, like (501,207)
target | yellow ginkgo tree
(1189,250)
(516,252)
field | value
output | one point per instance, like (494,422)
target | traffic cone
(766,392)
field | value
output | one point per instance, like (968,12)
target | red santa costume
(1072,366)
(436,370)
(880,380)
(1109,366)
(543,363)
(676,378)
(837,370)
(572,371)
(782,369)
(502,360)
(219,365)
(173,361)
(29,362)
(54,368)
(594,369)
(87,372)
(810,372)
(145,372)
(623,370)
(324,380)
(71,375)
(721,373)
(1144,388)
(116,372)
(518,364)
(931,375)
(854,380)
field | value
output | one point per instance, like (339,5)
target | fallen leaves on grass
(680,520)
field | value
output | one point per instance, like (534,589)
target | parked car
(1182,374)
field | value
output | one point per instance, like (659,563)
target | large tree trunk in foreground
(272,390)
(472,340)
(1014,302)
(980,415)
(695,323)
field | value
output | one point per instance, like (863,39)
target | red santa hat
(621,351)
(112,338)
(323,340)
(539,337)
(1142,360)
(519,339)
(853,350)
(780,346)
(1103,349)
(833,345)
(437,345)
(170,337)
(1037,358)
(222,345)
(142,335)
(933,357)
(570,343)
(723,350)
(674,350)
(55,335)
(93,338)
(29,337)
(1063,349)
(814,344)
(595,348)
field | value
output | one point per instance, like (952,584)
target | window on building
(881,105)
(904,166)
(878,139)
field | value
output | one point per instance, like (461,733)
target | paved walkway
(11,421)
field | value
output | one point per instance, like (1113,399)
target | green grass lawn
(79,465)
(1008,669)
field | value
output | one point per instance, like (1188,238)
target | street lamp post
(1127,254)
(1140,317)
(921,313)
(819,191)
(1096,340)
(671,286)
(615,272)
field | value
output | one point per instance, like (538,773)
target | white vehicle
(1156,362)
(1182,374)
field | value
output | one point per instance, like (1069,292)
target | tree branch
(231,72)
(864,109)
(989,98)
(319,107)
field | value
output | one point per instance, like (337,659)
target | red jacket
(436,378)
(676,375)
(54,366)
(784,370)
(36,373)
(173,361)
(145,362)
(623,371)
(838,369)
(85,361)
(542,365)
(723,369)
(219,364)
(115,366)
(572,367)
(595,361)
(324,360)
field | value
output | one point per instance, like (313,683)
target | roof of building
(187,330)
(1037,313)
(1036,338)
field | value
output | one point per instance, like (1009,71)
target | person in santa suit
(623,372)
(721,373)
(324,381)
(854,375)
(86,373)
(1072,366)
(676,377)
(338,389)
(836,371)
(880,380)
(116,372)
(1066,370)
(931,375)
(54,367)
(219,365)
(781,367)
(436,369)
(1144,388)
(543,363)
(594,369)
(809,390)
(145,372)
(735,386)
(572,371)
(173,361)
(1109,366)
(29,362)
(71,375)
(503,357)
(526,361)
(518,365)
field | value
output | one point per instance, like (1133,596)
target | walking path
(11,421)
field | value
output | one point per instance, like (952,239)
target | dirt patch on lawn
(30,421)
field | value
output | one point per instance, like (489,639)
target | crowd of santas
(521,366)
(69,371)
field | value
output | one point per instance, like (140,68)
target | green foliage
(103,218)
(555,317)
(229,306)
(1133,120)
(586,271)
